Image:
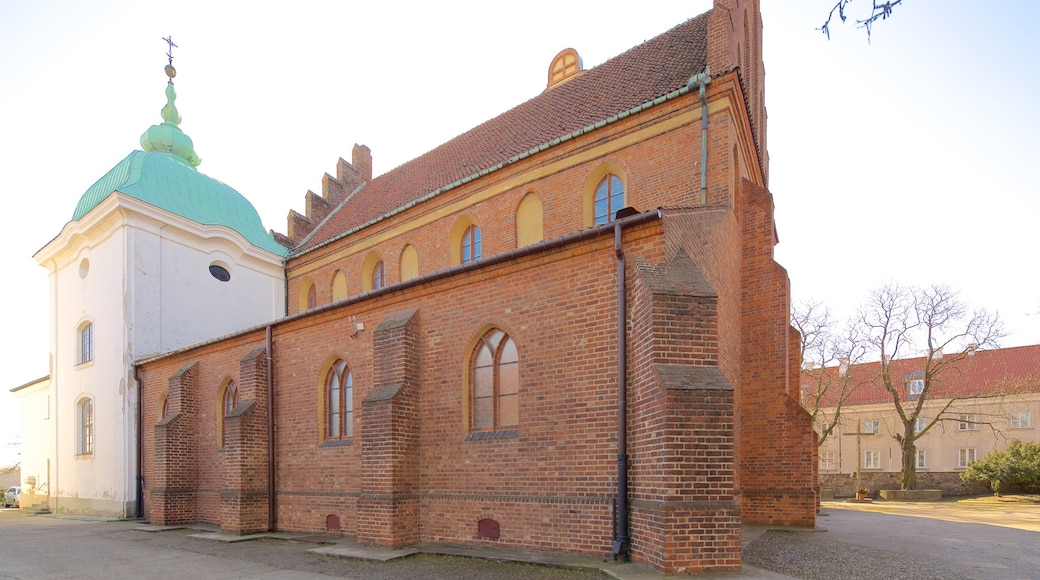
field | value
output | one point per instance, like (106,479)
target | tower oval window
(219,272)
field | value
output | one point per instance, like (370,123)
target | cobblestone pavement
(980,538)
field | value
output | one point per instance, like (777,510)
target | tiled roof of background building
(640,75)
(995,372)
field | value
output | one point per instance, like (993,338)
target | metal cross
(169,41)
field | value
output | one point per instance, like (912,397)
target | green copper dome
(164,176)
(167,181)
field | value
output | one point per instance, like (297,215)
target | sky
(908,158)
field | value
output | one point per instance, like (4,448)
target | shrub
(1018,464)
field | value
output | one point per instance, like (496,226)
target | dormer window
(565,66)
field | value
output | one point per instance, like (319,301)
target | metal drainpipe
(621,542)
(702,80)
(285,283)
(139,507)
(271,517)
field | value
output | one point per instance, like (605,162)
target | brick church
(562,330)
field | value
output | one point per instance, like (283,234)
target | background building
(984,401)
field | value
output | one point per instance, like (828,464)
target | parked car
(11,496)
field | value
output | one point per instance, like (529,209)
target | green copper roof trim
(168,182)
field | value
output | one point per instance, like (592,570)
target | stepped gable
(641,74)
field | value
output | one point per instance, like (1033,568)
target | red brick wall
(662,171)
(777,440)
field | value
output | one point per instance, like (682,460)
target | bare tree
(827,354)
(899,322)
(880,11)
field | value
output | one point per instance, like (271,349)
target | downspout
(702,80)
(139,504)
(622,541)
(285,283)
(271,518)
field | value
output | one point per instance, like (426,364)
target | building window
(230,397)
(495,383)
(312,296)
(914,387)
(871,427)
(470,250)
(968,423)
(827,460)
(919,424)
(339,401)
(165,407)
(85,424)
(965,457)
(378,275)
(872,459)
(610,197)
(85,343)
(921,462)
(219,272)
(1021,420)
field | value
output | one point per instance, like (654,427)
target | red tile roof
(637,76)
(988,372)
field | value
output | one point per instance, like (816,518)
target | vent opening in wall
(332,523)
(488,528)
(219,272)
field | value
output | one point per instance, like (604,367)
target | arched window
(85,343)
(373,272)
(339,402)
(610,197)
(312,296)
(470,249)
(165,407)
(495,381)
(378,275)
(85,426)
(230,397)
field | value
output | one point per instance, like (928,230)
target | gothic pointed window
(471,244)
(495,380)
(610,197)
(378,275)
(339,402)
(230,397)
